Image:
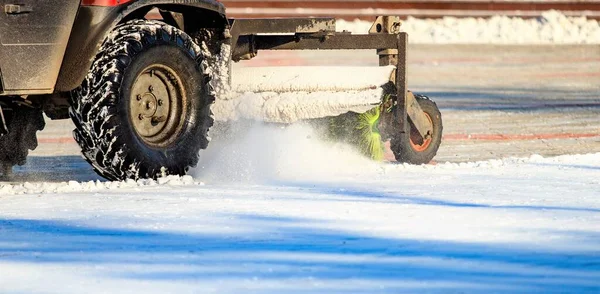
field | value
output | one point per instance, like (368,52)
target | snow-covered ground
(552,27)
(277,210)
(280,211)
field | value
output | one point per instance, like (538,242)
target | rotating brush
(360,130)
(368,136)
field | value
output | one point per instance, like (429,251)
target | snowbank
(552,27)
(92,186)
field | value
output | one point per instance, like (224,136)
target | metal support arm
(248,36)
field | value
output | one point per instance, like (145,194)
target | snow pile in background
(92,186)
(552,27)
(290,94)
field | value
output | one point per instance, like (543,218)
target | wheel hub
(156,105)
(421,144)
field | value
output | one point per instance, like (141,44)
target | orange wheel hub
(415,137)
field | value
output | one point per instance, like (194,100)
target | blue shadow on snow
(287,248)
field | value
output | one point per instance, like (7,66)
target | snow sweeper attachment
(365,106)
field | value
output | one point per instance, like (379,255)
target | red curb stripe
(56,140)
(448,137)
(515,137)
(567,74)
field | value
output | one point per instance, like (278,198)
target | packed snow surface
(552,27)
(275,210)
(290,94)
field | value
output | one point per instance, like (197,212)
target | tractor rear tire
(143,111)
(407,148)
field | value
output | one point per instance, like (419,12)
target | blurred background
(513,78)
(353,9)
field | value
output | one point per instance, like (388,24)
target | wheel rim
(157,104)
(415,136)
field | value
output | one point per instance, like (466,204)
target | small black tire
(103,108)
(407,150)
(23,123)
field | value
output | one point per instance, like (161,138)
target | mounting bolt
(160,103)
(141,117)
(138,97)
(150,88)
(158,119)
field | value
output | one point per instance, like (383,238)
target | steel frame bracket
(417,117)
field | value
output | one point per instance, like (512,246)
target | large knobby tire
(408,148)
(143,111)
(23,123)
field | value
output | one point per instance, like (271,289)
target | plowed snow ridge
(552,27)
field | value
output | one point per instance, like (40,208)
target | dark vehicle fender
(93,23)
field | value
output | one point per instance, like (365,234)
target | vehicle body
(48,45)
(55,53)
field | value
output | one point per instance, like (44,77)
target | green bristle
(360,130)
(369,141)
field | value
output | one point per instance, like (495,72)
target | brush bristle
(360,130)
(369,141)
